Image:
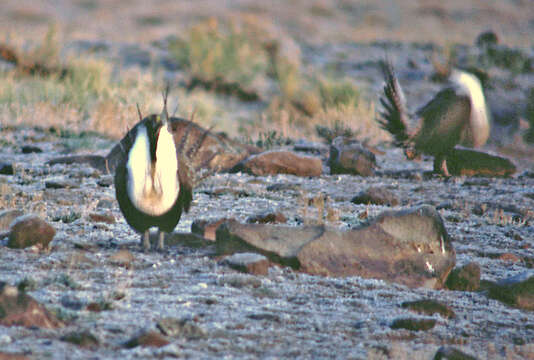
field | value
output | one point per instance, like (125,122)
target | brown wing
(443,121)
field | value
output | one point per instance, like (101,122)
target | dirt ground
(285,314)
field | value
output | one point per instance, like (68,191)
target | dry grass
(85,100)
(242,47)
(213,52)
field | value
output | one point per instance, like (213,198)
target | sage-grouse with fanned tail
(154,179)
(456,115)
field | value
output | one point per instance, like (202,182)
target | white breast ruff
(153,188)
(479,122)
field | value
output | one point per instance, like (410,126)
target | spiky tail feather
(189,153)
(393,117)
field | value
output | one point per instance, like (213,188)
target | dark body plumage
(137,219)
(153,173)
(456,115)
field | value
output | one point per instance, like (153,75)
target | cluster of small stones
(410,247)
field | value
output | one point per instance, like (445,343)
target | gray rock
(410,247)
(377,196)
(348,156)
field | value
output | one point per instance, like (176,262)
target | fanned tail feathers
(393,117)
(189,153)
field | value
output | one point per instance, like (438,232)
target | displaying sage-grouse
(456,115)
(154,179)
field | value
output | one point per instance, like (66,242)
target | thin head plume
(193,114)
(164,113)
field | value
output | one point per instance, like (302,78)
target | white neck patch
(153,188)
(479,122)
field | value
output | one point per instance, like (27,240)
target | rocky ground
(105,291)
(86,290)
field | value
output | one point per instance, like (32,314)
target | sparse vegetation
(269,139)
(225,59)
(239,58)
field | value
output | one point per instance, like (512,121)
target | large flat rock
(409,247)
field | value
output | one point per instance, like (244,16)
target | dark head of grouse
(152,181)
(456,115)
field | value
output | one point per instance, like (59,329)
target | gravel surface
(284,314)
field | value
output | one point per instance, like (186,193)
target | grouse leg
(146,240)
(161,240)
(440,165)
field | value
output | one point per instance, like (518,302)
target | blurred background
(267,72)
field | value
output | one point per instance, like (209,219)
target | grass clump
(270,139)
(213,54)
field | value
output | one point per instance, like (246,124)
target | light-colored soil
(285,314)
(299,315)
(316,22)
